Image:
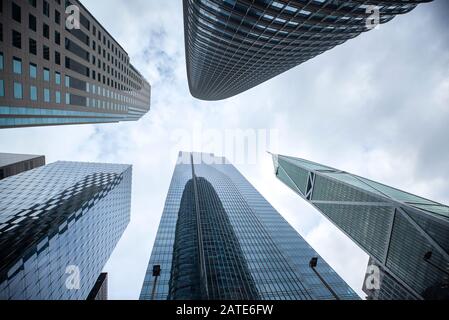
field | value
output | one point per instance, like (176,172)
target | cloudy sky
(376,106)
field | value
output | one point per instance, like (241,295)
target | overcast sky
(376,106)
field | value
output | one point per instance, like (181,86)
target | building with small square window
(219,239)
(55,70)
(59,224)
(406,236)
(235,45)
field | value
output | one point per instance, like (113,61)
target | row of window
(33,3)
(81,85)
(17,69)
(32,24)
(18,94)
(72,64)
(17,15)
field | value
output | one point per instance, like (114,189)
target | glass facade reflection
(234,45)
(220,239)
(58,226)
(406,236)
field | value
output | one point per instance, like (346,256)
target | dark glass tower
(53,73)
(58,226)
(100,289)
(220,239)
(406,236)
(12,164)
(235,45)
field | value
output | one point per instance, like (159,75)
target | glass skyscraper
(58,226)
(235,45)
(406,236)
(219,239)
(59,69)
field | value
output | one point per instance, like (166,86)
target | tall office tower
(58,66)
(406,236)
(58,226)
(12,164)
(235,45)
(219,239)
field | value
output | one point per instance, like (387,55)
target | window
(57,58)
(57,78)
(46,75)
(33,93)
(18,93)
(17,65)
(33,71)
(17,39)
(2,88)
(46,8)
(57,38)
(46,53)
(32,46)
(46,31)
(67,81)
(32,22)
(46,95)
(67,98)
(57,17)
(32,2)
(1,61)
(16,13)
(58,97)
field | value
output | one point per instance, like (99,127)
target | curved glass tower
(406,236)
(208,262)
(234,45)
(219,239)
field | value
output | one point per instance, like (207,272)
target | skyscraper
(58,226)
(235,45)
(12,164)
(219,239)
(100,289)
(61,68)
(406,236)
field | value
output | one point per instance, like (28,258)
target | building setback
(219,239)
(12,164)
(58,226)
(235,45)
(406,236)
(53,74)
